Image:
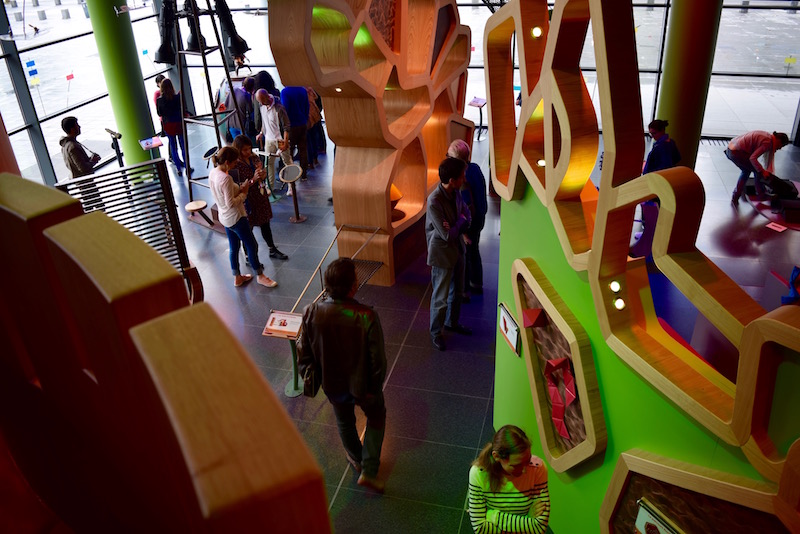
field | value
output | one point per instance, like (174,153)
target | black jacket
(344,339)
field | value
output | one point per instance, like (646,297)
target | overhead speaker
(196,42)
(166,26)
(236,45)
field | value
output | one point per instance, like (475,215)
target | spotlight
(619,304)
(338,89)
(166,25)
(541,163)
(536,32)
(614,286)
(236,45)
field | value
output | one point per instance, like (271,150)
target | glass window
(47,22)
(475,17)
(757,41)
(9,105)
(148,39)
(648,27)
(93,118)
(64,74)
(26,160)
(736,105)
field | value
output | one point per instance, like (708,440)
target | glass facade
(755,81)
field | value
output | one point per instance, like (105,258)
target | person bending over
(508,486)
(744,152)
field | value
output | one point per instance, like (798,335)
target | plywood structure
(694,498)
(392,76)
(552,149)
(124,407)
(560,455)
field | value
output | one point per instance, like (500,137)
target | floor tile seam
(437,391)
(405,337)
(405,499)
(431,442)
(338,487)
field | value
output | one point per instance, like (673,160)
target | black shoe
(372,483)
(180,172)
(438,343)
(275,253)
(476,290)
(459,329)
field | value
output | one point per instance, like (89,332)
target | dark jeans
(369,455)
(742,160)
(241,233)
(266,233)
(472,260)
(297,138)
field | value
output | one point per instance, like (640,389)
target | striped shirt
(512,507)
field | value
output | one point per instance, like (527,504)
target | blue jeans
(742,160)
(368,455)
(173,150)
(241,233)
(448,286)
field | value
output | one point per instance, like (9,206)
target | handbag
(311,381)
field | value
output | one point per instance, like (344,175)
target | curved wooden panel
(554,335)
(401,75)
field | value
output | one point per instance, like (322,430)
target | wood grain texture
(750,498)
(383,90)
(246,459)
(121,432)
(761,356)
(525,272)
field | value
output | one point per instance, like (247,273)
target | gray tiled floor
(439,404)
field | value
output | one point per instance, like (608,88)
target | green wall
(636,415)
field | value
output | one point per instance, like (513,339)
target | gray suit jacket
(445,246)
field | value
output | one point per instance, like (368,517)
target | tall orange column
(689,55)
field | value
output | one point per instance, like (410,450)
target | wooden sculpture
(553,149)
(393,78)
(589,435)
(124,408)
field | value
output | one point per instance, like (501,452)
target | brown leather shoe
(371,483)
(242,279)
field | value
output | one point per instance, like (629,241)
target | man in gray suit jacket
(447,219)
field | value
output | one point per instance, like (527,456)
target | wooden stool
(199,206)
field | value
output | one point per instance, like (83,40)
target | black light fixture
(195,42)
(166,25)
(236,45)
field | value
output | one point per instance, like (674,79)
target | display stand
(289,175)
(479,103)
(287,325)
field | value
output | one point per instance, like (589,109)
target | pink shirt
(756,143)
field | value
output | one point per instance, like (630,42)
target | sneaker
(371,483)
(275,253)
(180,172)
(438,343)
(266,281)
(241,279)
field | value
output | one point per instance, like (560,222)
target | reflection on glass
(9,105)
(93,118)
(26,161)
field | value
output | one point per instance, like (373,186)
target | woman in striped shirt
(508,486)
